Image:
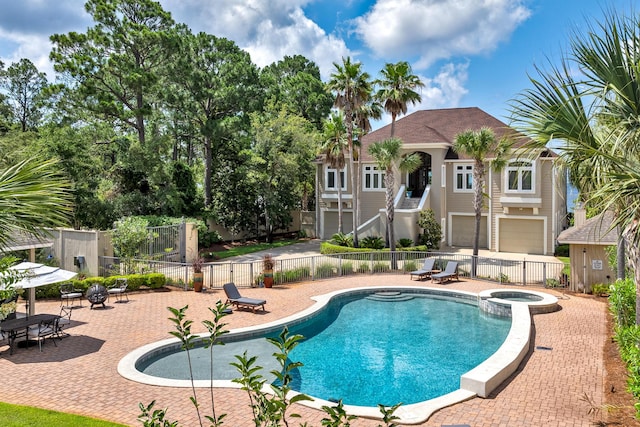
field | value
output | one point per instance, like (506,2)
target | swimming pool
(479,380)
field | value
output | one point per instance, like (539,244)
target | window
(373,178)
(331,179)
(464,177)
(520,177)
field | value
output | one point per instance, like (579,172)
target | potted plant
(409,192)
(197,274)
(267,270)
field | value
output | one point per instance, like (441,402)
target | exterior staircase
(410,203)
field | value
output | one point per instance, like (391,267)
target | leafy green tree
(387,155)
(352,86)
(431,229)
(284,148)
(397,89)
(25,86)
(218,85)
(595,114)
(333,148)
(479,145)
(295,82)
(33,196)
(116,65)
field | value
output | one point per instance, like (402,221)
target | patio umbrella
(39,275)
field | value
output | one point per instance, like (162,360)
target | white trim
(374,171)
(450,229)
(465,172)
(490,203)
(443,226)
(519,170)
(328,169)
(521,200)
(443,176)
(538,218)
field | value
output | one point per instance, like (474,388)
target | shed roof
(595,231)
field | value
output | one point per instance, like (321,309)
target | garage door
(462,231)
(521,235)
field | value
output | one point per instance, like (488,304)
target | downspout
(490,222)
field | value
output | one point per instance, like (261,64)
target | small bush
(410,266)
(346,268)
(622,302)
(381,267)
(562,250)
(325,270)
(502,278)
(372,242)
(600,289)
(294,275)
(342,239)
(404,243)
(363,268)
(156,280)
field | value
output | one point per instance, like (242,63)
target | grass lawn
(254,247)
(567,269)
(26,416)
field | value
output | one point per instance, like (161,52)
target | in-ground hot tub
(499,301)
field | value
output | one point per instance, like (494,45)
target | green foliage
(129,235)
(404,243)
(325,270)
(410,266)
(346,268)
(381,267)
(363,268)
(502,278)
(562,250)
(552,283)
(28,416)
(431,229)
(150,417)
(600,289)
(342,239)
(338,417)
(294,275)
(622,302)
(156,280)
(372,242)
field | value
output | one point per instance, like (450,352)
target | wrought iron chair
(68,294)
(43,331)
(119,289)
(63,322)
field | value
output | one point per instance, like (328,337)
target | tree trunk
(391,235)
(340,226)
(478,178)
(620,256)
(207,171)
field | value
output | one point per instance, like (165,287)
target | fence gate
(166,243)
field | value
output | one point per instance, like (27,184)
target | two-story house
(525,203)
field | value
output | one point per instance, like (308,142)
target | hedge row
(135,282)
(327,248)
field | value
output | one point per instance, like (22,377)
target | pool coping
(480,381)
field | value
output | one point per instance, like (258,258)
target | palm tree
(596,116)
(397,89)
(33,195)
(387,154)
(333,147)
(479,144)
(352,88)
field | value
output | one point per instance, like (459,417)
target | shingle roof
(595,231)
(440,126)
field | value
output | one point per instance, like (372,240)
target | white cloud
(438,29)
(35,47)
(268,30)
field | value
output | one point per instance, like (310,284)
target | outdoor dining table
(14,326)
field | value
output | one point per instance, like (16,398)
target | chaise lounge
(234,298)
(425,271)
(450,272)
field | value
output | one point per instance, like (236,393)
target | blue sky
(467,52)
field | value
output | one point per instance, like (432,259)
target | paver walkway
(80,376)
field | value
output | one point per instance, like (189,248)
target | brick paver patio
(80,376)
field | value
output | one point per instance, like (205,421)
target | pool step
(389,296)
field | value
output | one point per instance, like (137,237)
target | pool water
(365,350)
(378,352)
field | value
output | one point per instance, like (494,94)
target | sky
(468,53)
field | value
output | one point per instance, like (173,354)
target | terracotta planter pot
(197,281)
(268,278)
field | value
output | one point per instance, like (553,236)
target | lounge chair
(426,270)
(234,298)
(450,272)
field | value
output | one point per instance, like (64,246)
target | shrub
(404,243)
(346,268)
(380,267)
(294,275)
(432,230)
(600,289)
(325,270)
(208,238)
(562,250)
(410,266)
(363,268)
(156,280)
(552,283)
(372,242)
(622,302)
(342,239)
(502,278)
